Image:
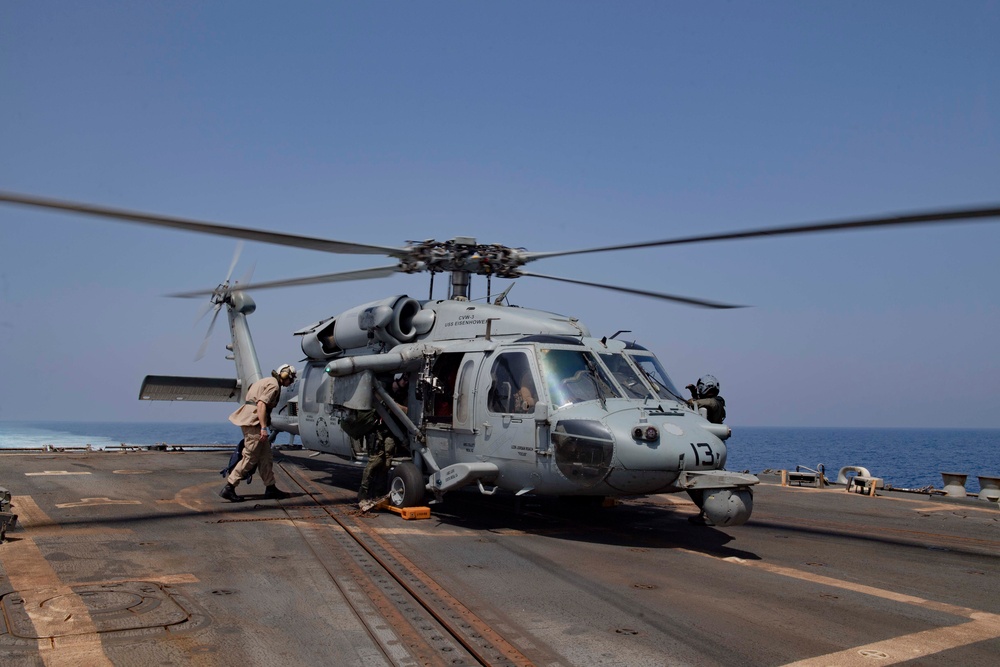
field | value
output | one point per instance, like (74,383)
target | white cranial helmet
(708,386)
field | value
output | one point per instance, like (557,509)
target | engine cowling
(393,321)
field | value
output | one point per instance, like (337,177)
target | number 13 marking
(706,457)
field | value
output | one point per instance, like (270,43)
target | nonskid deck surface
(130,558)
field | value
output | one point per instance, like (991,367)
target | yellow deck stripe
(35,581)
(905,648)
(982,626)
(30,515)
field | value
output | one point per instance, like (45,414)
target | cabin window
(317,389)
(574,377)
(463,393)
(512,387)
(626,376)
(446,372)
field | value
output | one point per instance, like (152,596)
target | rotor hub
(463,255)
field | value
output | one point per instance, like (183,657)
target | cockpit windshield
(651,368)
(573,376)
(625,374)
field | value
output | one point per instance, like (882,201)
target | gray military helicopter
(501,397)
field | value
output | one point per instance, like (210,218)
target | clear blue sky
(547,125)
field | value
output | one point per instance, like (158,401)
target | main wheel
(406,485)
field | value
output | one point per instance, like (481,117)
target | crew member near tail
(254,416)
(706,395)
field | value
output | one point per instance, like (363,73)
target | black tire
(406,486)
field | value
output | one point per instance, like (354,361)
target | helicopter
(500,397)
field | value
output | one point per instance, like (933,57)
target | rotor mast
(461,276)
(460,281)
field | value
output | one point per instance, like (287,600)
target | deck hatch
(129,608)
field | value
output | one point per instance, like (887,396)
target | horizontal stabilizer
(174,388)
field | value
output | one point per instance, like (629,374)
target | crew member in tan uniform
(253,417)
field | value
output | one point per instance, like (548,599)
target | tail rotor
(218,299)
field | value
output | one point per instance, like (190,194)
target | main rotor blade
(628,290)
(246,233)
(927,217)
(363,274)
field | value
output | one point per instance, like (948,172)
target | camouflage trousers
(380,453)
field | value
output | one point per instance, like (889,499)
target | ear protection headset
(285,372)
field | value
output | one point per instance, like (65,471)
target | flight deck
(131,558)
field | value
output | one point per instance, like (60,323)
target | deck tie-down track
(436,627)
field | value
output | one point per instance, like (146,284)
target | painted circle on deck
(99,602)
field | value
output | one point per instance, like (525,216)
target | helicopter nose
(662,444)
(636,454)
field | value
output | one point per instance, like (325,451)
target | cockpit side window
(658,378)
(512,387)
(625,375)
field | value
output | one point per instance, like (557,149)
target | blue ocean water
(907,458)
(910,458)
(112,434)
